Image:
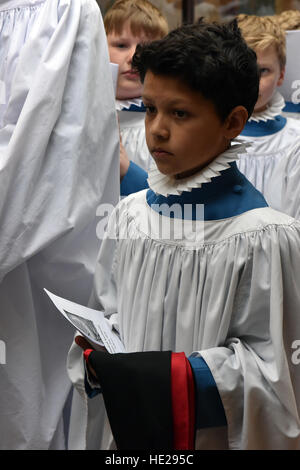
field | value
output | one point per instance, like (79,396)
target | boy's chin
(129,93)
(177,174)
(166,171)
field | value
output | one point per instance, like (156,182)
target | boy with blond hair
(289,20)
(128,23)
(271,134)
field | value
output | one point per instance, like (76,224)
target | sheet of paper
(91,323)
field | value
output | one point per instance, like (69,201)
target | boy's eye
(179,113)
(150,109)
(264,71)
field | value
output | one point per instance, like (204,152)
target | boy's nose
(130,54)
(159,128)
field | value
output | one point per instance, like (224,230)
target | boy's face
(271,76)
(183,131)
(121,50)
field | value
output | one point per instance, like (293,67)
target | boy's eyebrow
(119,38)
(174,102)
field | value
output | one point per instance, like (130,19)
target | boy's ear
(235,122)
(281,78)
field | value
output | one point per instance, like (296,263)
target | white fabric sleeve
(55,146)
(257,377)
(103,297)
(284,187)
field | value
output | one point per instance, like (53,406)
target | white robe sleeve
(284,187)
(89,427)
(132,130)
(55,148)
(256,372)
(59,148)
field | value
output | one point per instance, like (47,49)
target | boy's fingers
(82,343)
(85,345)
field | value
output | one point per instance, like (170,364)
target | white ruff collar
(125,104)
(274,108)
(166,185)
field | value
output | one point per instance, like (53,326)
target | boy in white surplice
(207,313)
(128,23)
(275,138)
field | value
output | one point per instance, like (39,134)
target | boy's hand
(84,344)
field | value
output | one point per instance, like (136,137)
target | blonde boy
(128,23)
(272,135)
(289,19)
(265,36)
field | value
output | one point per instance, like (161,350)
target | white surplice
(233,298)
(132,130)
(59,147)
(260,160)
(284,189)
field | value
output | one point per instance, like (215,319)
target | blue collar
(227,195)
(291,107)
(262,128)
(134,107)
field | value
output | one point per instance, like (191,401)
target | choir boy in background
(289,20)
(273,136)
(128,23)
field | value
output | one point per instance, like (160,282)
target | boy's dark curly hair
(212,59)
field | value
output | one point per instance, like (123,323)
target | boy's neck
(193,171)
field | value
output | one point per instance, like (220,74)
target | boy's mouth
(160,153)
(131,73)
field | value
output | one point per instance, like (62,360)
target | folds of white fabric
(59,161)
(283,189)
(261,160)
(132,130)
(233,298)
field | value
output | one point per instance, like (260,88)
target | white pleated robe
(59,161)
(227,290)
(262,158)
(132,130)
(284,189)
